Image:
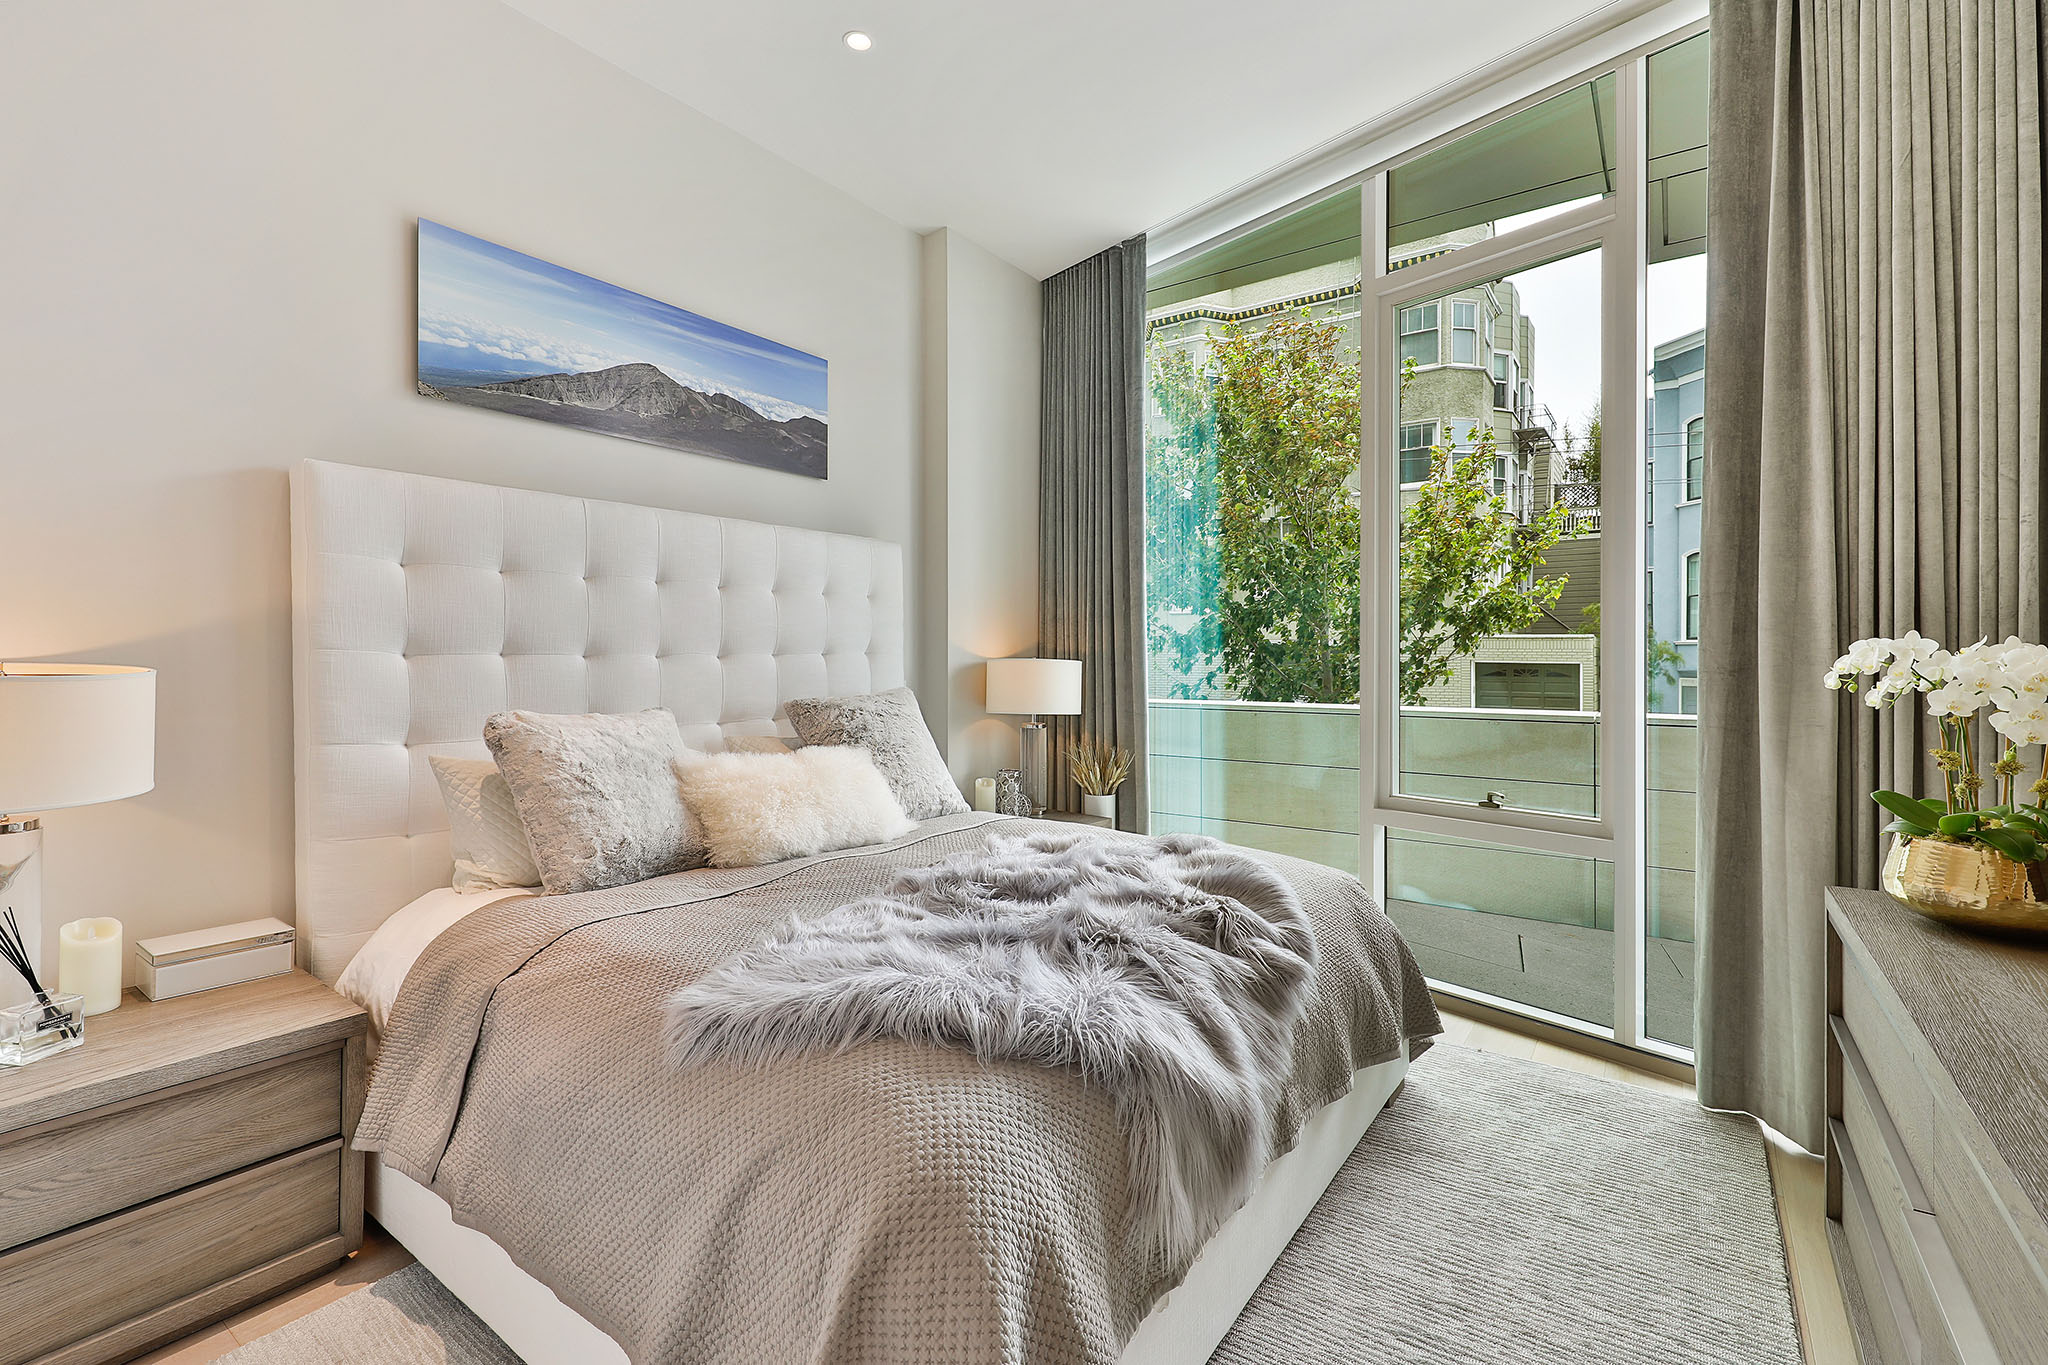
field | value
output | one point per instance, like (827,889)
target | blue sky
(487,307)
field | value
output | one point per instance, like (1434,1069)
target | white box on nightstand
(179,964)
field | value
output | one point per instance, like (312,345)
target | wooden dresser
(191,1158)
(1937,1154)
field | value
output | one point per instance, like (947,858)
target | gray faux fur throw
(1171,971)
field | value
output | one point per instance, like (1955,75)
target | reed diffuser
(51,1023)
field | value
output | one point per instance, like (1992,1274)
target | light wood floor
(1823,1325)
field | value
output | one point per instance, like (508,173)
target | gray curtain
(1091,521)
(1874,353)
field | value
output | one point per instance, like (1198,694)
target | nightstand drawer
(70,1286)
(63,1172)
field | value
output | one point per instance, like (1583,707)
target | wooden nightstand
(1074,817)
(190,1159)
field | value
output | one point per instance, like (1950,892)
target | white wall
(982,322)
(206,257)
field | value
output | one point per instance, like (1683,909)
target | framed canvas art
(502,330)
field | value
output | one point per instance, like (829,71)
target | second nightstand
(1074,817)
(190,1159)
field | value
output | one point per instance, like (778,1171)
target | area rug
(1499,1212)
(1511,1213)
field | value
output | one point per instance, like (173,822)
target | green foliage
(1583,464)
(2013,831)
(1267,434)
(1252,527)
(1468,567)
(1661,659)
(1181,523)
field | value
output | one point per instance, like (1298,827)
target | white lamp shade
(1034,687)
(75,734)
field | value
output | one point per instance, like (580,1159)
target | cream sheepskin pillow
(767,808)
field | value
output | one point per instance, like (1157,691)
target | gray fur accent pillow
(891,728)
(598,796)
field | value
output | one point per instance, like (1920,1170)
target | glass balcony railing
(1519,925)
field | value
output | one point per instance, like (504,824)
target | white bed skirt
(1184,1328)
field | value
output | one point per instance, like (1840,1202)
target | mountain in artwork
(639,401)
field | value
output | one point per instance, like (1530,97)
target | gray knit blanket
(1171,972)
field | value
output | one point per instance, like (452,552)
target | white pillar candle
(89,962)
(984,793)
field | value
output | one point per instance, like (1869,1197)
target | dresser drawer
(1883,1294)
(2004,1263)
(63,1172)
(1936,1297)
(67,1287)
(1891,1070)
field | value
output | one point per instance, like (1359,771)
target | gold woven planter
(1966,885)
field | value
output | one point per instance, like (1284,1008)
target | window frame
(1404,449)
(1617,226)
(1463,330)
(1433,330)
(1695,464)
(1689,600)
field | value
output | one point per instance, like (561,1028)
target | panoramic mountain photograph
(502,330)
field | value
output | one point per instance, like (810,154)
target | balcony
(1530,927)
(1581,502)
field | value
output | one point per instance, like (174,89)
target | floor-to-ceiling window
(1508,697)
(1251,462)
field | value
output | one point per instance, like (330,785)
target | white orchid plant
(2004,684)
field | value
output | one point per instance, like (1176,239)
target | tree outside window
(1253,524)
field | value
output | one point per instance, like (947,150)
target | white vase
(1100,805)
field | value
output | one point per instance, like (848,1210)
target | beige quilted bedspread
(890,1205)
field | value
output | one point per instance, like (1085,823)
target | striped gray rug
(1499,1211)
(1511,1213)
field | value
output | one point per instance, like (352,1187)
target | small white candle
(89,962)
(984,793)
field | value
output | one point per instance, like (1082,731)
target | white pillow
(767,808)
(483,826)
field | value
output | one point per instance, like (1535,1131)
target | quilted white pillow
(483,825)
(767,808)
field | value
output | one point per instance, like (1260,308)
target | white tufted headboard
(420,606)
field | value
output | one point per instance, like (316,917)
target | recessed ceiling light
(858,41)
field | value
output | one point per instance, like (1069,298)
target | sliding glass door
(1404,617)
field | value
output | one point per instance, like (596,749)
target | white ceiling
(1047,130)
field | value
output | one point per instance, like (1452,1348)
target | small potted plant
(1099,769)
(1958,858)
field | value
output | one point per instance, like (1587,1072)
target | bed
(420,606)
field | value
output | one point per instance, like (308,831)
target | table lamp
(1034,688)
(70,735)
